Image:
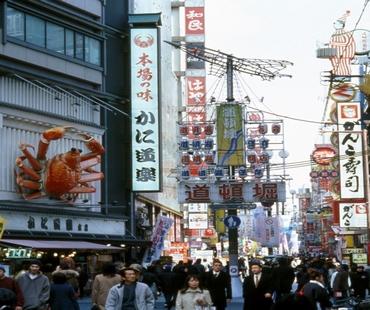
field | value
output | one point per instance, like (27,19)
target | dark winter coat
(316,293)
(168,281)
(62,297)
(254,297)
(283,278)
(219,288)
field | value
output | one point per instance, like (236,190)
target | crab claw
(48,135)
(55,133)
(92,144)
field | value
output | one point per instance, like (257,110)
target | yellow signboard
(3,222)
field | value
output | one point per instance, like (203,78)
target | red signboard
(192,232)
(194,20)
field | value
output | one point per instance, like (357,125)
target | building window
(15,24)
(34,30)
(55,38)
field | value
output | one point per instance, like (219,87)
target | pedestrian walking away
(62,294)
(103,283)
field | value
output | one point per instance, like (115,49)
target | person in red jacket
(11,284)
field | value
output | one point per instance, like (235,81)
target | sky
(284,30)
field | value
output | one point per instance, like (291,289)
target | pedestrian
(340,283)
(7,299)
(305,278)
(103,283)
(360,282)
(12,285)
(130,294)
(35,287)
(293,302)
(191,268)
(180,279)
(241,266)
(82,280)
(315,291)
(71,275)
(150,278)
(168,283)
(62,294)
(193,294)
(283,276)
(257,288)
(198,264)
(119,265)
(219,285)
(176,268)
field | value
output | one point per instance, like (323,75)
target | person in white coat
(130,294)
(192,295)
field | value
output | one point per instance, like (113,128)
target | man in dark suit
(218,283)
(257,288)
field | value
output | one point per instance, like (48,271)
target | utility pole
(265,68)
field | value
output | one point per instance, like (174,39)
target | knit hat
(35,262)
(2,267)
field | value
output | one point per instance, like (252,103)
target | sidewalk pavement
(234,304)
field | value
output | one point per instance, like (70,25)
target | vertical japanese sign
(230,135)
(160,232)
(195,68)
(271,232)
(145,121)
(194,21)
(350,151)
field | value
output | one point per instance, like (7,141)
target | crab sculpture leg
(87,161)
(37,163)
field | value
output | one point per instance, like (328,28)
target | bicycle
(352,303)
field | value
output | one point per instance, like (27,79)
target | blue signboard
(232,221)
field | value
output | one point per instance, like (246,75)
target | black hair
(186,283)
(109,269)
(59,278)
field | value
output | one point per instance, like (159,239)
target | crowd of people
(188,285)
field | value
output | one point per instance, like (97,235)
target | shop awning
(52,244)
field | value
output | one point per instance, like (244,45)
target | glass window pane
(79,46)
(55,37)
(35,30)
(92,51)
(70,43)
(15,23)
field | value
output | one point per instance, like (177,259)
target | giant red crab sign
(63,175)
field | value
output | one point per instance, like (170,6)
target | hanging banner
(230,135)
(270,232)
(160,232)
